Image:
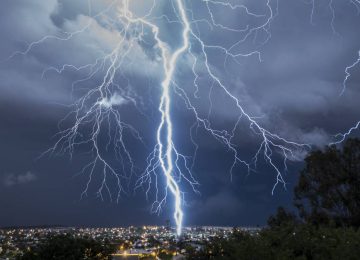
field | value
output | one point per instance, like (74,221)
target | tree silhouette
(282,217)
(328,191)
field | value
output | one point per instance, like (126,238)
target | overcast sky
(293,91)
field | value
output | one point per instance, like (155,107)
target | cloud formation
(18,179)
(114,100)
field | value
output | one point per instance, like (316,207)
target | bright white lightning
(165,151)
(269,140)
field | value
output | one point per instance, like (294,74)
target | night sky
(294,91)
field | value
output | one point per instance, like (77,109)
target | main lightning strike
(164,151)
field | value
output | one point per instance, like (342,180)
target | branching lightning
(342,136)
(99,107)
(348,74)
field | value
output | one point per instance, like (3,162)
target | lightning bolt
(342,136)
(165,149)
(269,142)
(348,74)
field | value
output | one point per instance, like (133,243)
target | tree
(67,247)
(328,191)
(296,242)
(282,217)
(306,241)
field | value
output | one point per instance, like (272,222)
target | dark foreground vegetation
(285,242)
(326,224)
(68,247)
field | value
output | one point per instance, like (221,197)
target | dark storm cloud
(295,89)
(298,83)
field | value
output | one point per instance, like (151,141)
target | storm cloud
(294,91)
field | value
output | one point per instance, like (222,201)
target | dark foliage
(328,199)
(285,242)
(328,191)
(67,247)
(281,218)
